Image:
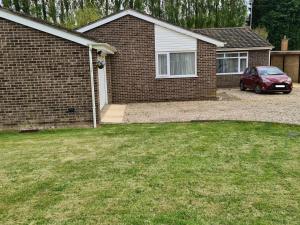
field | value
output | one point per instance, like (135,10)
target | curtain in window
(230,65)
(182,63)
(243,65)
(162,64)
(232,62)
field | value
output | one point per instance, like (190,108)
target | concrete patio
(113,113)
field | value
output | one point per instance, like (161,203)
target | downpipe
(92,86)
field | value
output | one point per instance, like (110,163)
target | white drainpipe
(92,86)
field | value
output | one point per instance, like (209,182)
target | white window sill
(176,76)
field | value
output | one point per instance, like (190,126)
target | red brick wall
(132,68)
(256,58)
(41,77)
(259,58)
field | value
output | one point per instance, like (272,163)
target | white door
(103,87)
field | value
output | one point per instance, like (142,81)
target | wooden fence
(289,62)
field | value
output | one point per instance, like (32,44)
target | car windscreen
(265,71)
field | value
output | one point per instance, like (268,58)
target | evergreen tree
(61,12)
(25,5)
(52,11)
(117,5)
(7,3)
(44,9)
(279,18)
(16,4)
(83,16)
(172,11)
(186,13)
(36,9)
(154,7)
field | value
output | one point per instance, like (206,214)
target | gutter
(244,49)
(92,86)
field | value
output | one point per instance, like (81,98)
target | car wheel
(257,89)
(242,86)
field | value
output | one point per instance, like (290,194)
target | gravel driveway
(233,105)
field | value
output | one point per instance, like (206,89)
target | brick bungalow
(243,48)
(47,73)
(155,60)
(145,43)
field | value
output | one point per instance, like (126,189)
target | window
(247,71)
(163,64)
(265,71)
(253,71)
(176,64)
(232,62)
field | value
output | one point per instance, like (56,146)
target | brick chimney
(285,44)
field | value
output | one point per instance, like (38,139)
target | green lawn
(188,173)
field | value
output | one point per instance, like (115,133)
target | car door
(253,78)
(245,77)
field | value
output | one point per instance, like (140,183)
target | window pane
(243,54)
(220,55)
(231,55)
(228,65)
(182,63)
(253,71)
(220,66)
(162,64)
(243,65)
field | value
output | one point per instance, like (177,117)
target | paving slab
(113,113)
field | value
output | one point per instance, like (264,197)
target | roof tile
(235,37)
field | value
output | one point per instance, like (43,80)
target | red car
(266,79)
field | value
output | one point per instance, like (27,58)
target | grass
(189,173)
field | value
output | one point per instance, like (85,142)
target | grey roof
(235,37)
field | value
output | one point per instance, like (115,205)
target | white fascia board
(243,49)
(102,22)
(151,20)
(45,28)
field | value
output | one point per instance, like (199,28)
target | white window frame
(239,61)
(168,75)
